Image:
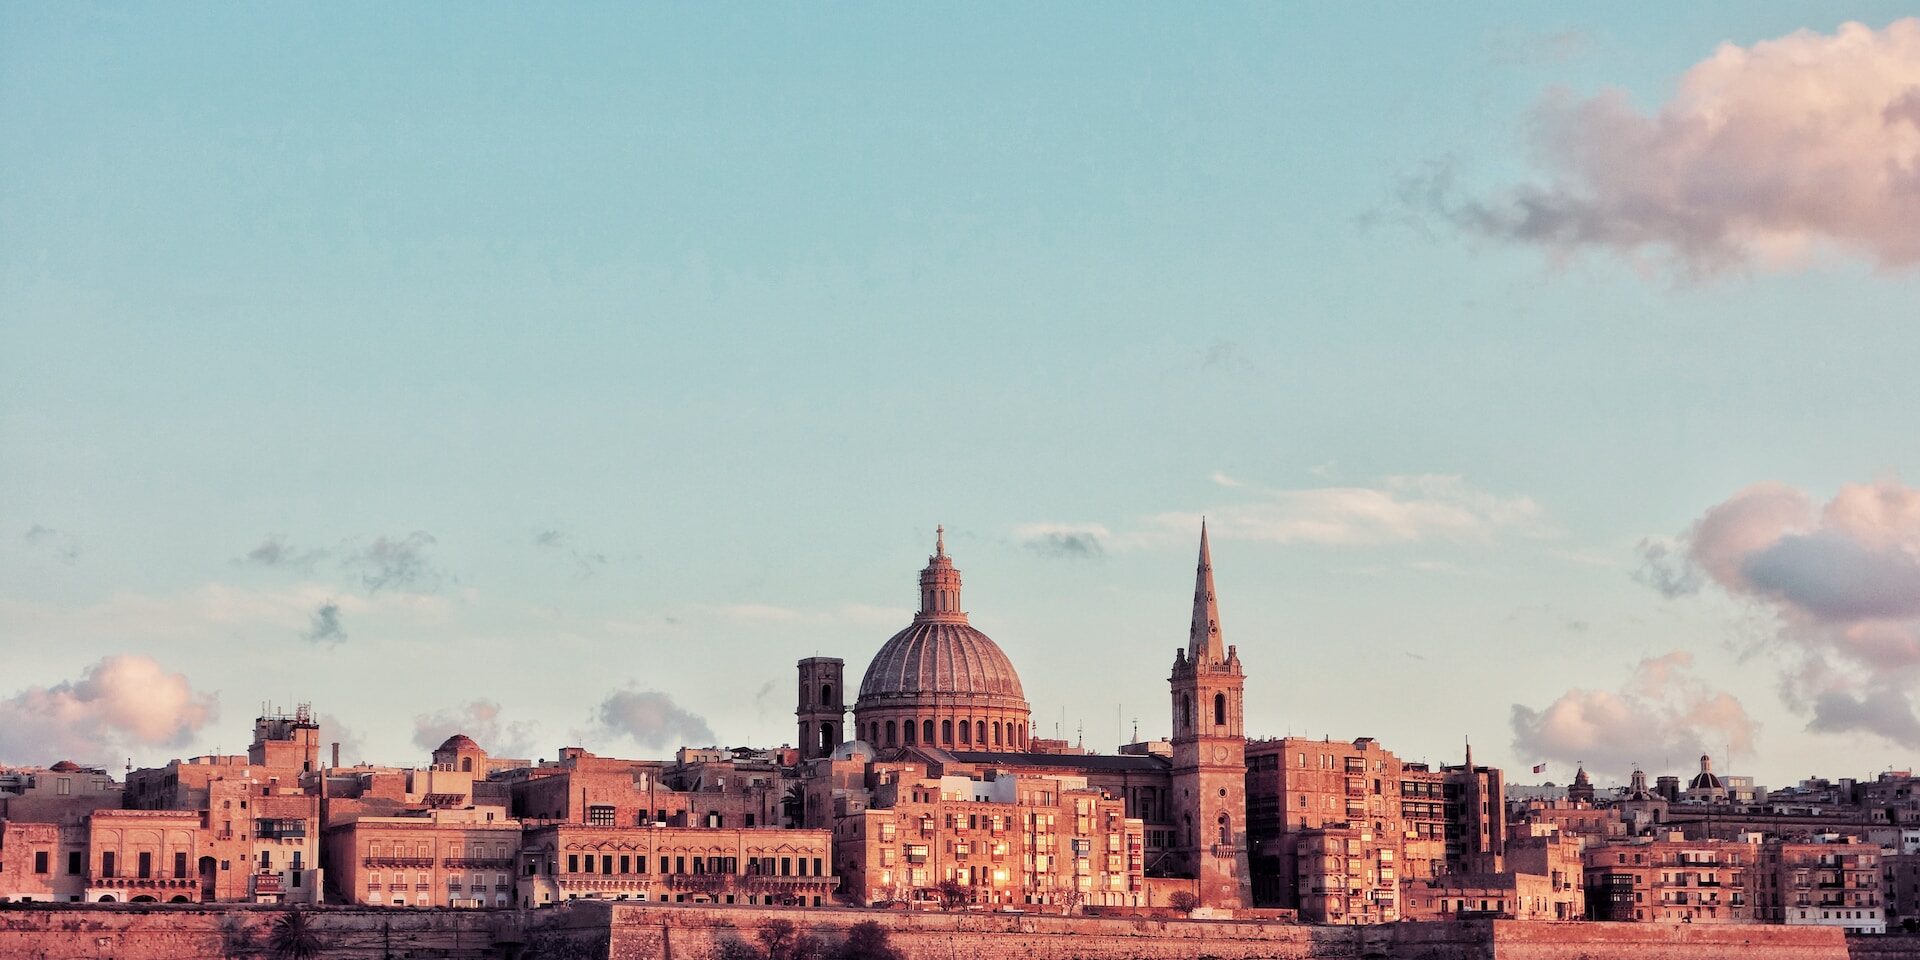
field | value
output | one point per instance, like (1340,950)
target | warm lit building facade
(1511,895)
(439,858)
(765,866)
(1670,879)
(1008,841)
(1823,881)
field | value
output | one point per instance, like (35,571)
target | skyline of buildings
(936,796)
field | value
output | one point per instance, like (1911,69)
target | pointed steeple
(1203,638)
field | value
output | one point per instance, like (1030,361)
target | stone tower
(1209,754)
(823,705)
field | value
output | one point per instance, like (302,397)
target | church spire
(1203,639)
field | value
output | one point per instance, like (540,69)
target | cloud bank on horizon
(121,703)
(1663,714)
(1841,581)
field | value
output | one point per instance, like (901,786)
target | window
(890,733)
(946,732)
(1219,709)
(907,731)
(926,731)
(64,787)
(600,815)
(826,694)
(573,863)
(76,862)
(180,862)
(40,861)
(966,732)
(106,864)
(980,732)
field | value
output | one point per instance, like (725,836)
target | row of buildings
(931,789)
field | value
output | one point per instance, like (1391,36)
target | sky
(563,375)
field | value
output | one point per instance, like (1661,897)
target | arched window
(1219,709)
(466,764)
(1226,831)
(826,738)
(873,732)
(889,733)
(980,732)
(946,732)
(926,731)
(996,733)
(908,729)
(826,694)
(966,732)
(1186,710)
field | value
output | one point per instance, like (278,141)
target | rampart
(586,930)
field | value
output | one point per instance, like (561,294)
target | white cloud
(1763,154)
(1404,509)
(1663,711)
(123,703)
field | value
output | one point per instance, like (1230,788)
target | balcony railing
(403,862)
(490,863)
(145,883)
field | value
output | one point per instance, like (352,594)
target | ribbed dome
(940,657)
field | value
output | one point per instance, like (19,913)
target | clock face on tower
(1219,754)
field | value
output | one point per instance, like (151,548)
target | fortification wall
(1513,940)
(214,931)
(586,930)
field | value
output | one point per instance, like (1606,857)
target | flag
(1539,768)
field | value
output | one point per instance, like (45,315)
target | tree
(293,937)
(777,937)
(953,893)
(1183,901)
(868,940)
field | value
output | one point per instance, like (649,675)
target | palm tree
(293,937)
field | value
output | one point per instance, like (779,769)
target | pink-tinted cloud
(1764,154)
(124,703)
(1843,582)
(1662,712)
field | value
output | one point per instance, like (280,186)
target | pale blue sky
(739,303)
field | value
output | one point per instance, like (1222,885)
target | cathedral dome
(940,657)
(940,682)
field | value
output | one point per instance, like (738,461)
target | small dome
(853,750)
(65,766)
(458,741)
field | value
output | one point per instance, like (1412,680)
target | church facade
(942,723)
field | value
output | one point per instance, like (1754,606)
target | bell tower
(822,709)
(1209,754)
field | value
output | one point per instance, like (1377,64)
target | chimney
(336,753)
